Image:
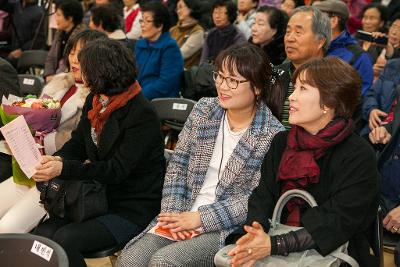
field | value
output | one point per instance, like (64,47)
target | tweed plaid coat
(191,158)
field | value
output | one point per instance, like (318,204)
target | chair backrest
(30,250)
(173,112)
(31,59)
(30,84)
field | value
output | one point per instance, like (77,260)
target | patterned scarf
(98,118)
(298,167)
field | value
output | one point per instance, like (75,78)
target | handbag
(76,200)
(308,258)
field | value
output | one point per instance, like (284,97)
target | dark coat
(275,50)
(8,80)
(394,129)
(347,194)
(129,159)
(26,21)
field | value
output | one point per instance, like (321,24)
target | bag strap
(346,258)
(276,216)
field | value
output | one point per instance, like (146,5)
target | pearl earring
(324,111)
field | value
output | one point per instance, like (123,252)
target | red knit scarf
(97,119)
(298,167)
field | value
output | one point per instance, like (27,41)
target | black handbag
(75,200)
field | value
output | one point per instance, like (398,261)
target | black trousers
(77,238)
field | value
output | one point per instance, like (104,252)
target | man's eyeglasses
(232,83)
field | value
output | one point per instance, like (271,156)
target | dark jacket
(347,195)
(129,159)
(8,80)
(26,23)
(275,50)
(394,129)
(383,91)
(359,60)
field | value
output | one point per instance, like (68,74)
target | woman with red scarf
(321,155)
(119,144)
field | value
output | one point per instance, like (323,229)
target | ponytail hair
(253,64)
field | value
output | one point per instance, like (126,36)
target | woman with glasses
(158,57)
(322,155)
(215,165)
(224,34)
(188,32)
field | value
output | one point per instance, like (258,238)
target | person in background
(224,34)
(308,36)
(215,164)
(246,15)
(20,210)
(343,45)
(388,136)
(105,19)
(382,53)
(374,19)
(28,31)
(323,156)
(132,16)
(289,5)
(158,57)
(268,32)
(69,14)
(188,33)
(117,143)
(380,101)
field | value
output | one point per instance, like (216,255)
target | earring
(324,112)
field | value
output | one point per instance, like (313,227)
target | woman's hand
(392,221)
(374,118)
(379,135)
(255,245)
(49,168)
(178,222)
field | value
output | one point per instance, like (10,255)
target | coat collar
(242,153)
(143,43)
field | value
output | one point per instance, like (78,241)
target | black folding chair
(32,62)
(173,113)
(18,250)
(30,84)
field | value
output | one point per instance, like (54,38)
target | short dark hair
(253,64)
(395,17)
(71,9)
(383,11)
(338,83)
(195,8)
(106,16)
(277,19)
(231,8)
(82,37)
(115,69)
(161,16)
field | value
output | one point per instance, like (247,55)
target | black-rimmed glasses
(232,83)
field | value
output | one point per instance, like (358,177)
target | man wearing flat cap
(343,45)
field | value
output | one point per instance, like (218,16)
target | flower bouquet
(42,115)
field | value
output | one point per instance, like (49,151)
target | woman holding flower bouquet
(20,211)
(117,143)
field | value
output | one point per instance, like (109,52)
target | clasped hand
(49,168)
(253,246)
(181,225)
